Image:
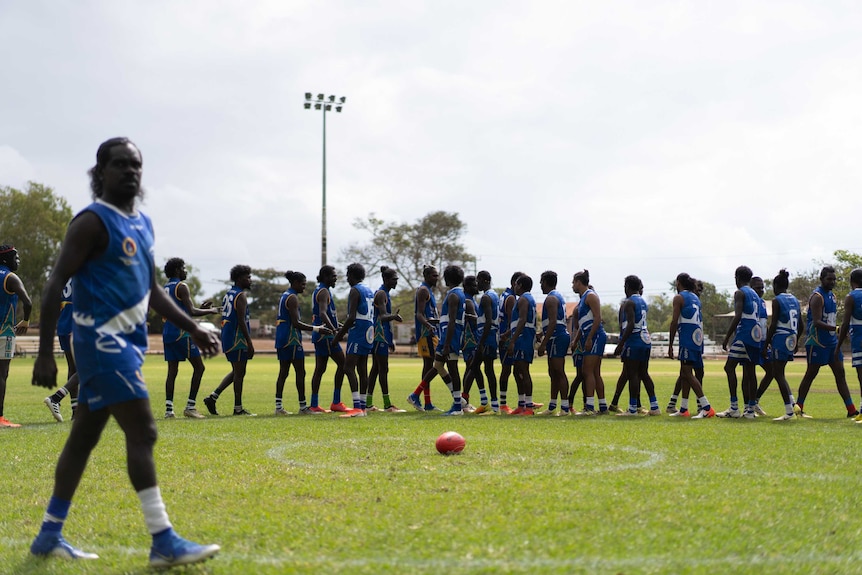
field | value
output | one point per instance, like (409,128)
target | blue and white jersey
(762,318)
(8,304)
(231,334)
(489,323)
(505,320)
(640,336)
(317,313)
(429,311)
(690,322)
(64,322)
(561,327)
(111,296)
(458,327)
(287,334)
(788,322)
(749,330)
(528,334)
(383,329)
(822,337)
(856,317)
(170,332)
(362,330)
(585,316)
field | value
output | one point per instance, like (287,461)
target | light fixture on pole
(326,105)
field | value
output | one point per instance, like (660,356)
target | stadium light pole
(325,104)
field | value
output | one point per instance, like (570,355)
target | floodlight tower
(325,104)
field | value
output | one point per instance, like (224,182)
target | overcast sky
(625,137)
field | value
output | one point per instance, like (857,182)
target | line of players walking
(476,323)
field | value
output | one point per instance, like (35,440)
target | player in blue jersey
(635,346)
(747,335)
(109,251)
(782,336)
(507,304)
(765,359)
(426,323)
(323,314)
(521,343)
(359,329)
(64,336)
(384,343)
(851,325)
(178,343)
(487,324)
(11,291)
(451,336)
(470,349)
(591,338)
(555,341)
(288,342)
(235,340)
(821,342)
(687,320)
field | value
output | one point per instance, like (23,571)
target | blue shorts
(325,347)
(822,355)
(358,348)
(578,359)
(489,351)
(523,355)
(558,346)
(237,355)
(599,341)
(742,352)
(290,353)
(691,357)
(380,348)
(782,346)
(856,351)
(181,350)
(636,353)
(106,389)
(65,342)
(763,361)
(469,355)
(505,358)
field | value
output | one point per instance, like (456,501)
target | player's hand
(207,342)
(21,327)
(433,321)
(670,351)
(250,350)
(398,315)
(541,350)
(588,344)
(618,349)
(207,304)
(45,372)
(392,348)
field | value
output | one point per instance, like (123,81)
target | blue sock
(336,396)
(314,400)
(55,515)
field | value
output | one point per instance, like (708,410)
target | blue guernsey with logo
(822,337)
(489,323)
(528,334)
(362,330)
(170,332)
(64,322)
(458,328)
(286,334)
(111,295)
(585,316)
(317,313)
(560,328)
(232,338)
(690,322)
(383,329)
(430,312)
(8,303)
(749,330)
(640,336)
(788,322)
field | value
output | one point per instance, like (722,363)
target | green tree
(714,303)
(611,318)
(659,311)
(34,221)
(433,239)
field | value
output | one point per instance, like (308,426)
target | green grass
(528,495)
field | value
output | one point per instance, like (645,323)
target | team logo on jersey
(757,333)
(130,248)
(645,336)
(697,336)
(369,334)
(790,342)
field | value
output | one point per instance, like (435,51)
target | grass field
(528,495)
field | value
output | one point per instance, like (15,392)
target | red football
(450,443)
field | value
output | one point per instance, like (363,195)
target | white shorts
(7,347)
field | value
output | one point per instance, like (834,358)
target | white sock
(153,507)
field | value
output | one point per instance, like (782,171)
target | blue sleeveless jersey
(170,332)
(64,322)
(788,322)
(383,329)
(232,338)
(505,320)
(445,326)
(489,323)
(561,327)
(690,323)
(585,316)
(111,296)
(749,330)
(856,317)
(528,334)
(286,334)
(317,313)
(8,303)
(821,337)
(362,330)
(640,337)
(430,312)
